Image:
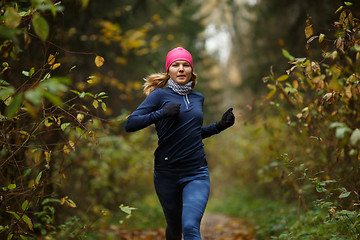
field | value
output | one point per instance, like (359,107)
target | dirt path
(213,227)
(221,227)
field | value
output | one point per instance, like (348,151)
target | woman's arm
(146,114)
(227,120)
(149,112)
(209,131)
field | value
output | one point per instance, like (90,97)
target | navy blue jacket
(180,146)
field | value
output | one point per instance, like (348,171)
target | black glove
(227,120)
(172,110)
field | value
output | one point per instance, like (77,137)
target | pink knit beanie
(178,54)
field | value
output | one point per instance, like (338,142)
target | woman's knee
(191,230)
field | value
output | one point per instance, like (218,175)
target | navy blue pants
(183,198)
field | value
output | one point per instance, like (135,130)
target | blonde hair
(159,80)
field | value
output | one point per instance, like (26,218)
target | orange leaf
(99,61)
(51,59)
(55,66)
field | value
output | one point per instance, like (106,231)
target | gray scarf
(178,88)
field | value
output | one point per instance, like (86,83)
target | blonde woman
(181,175)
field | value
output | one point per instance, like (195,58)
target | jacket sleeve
(147,113)
(209,131)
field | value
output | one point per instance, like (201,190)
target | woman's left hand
(227,120)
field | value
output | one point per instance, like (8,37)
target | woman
(181,175)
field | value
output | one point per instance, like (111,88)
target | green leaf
(341,132)
(6,92)
(76,92)
(27,172)
(14,106)
(28,221)
(287,55)
(32,71)
(347,212)
(126,209)
(357,47)
(64,80)
(34,96)
(14,214)
(3,82)
(348,3)
(355,137)
(339,9)
(79,130)
(55,85)
(50,200)
(64,126)
(37,180)
(321,37)
(344,195)
(41,26)
(101,94)
(11,186)
(53,98)
(337,124)
(12,18)
(23,237)
(25,205)
(103,106)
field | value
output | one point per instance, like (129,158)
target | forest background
(71,71)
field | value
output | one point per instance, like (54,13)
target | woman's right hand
(172,110)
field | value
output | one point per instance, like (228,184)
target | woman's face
(180,72)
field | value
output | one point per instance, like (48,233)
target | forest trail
(213,227)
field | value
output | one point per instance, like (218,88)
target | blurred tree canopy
(260,29)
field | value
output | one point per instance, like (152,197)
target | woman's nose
(181,68)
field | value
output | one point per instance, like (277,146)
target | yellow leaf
(51,59)
(309,31)
(70,202)
(47,156)
(99,61)
(282,78)
(72,145)
(272,92)
(55,66)
(80,117)
(95,104)
(66,150)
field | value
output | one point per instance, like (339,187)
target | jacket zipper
(187,102)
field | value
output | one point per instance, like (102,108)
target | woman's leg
(195,197)
(170,196)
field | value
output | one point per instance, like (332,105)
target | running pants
(183,197)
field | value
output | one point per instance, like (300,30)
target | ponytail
(159,80)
